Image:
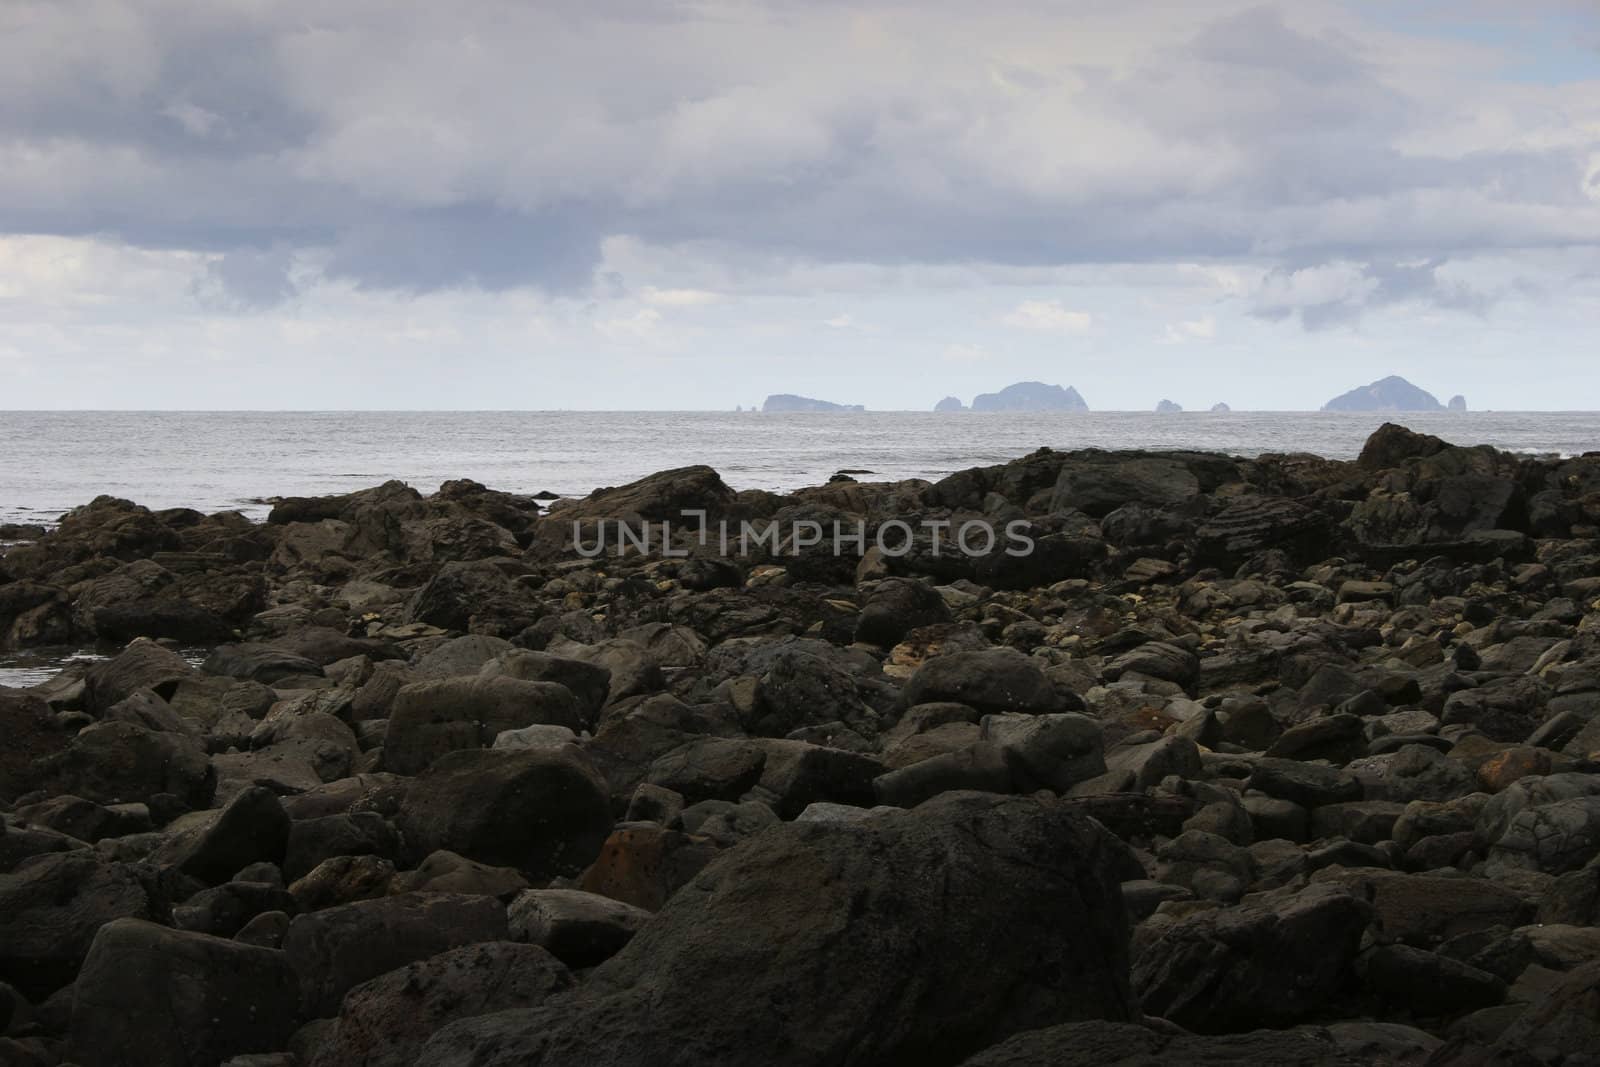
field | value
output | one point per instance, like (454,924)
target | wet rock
(476,596)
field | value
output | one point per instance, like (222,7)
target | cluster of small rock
(1282,760)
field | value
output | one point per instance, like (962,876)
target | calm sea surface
(53,461)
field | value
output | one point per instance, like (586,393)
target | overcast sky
(626,204)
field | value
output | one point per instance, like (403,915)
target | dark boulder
(476,596)
(590,683)
(1392,444)
(118,762)
(149,994)
(142,665)
(545,812)
(1022,926)
(385,1022)
(991,680)
(429,719)
(50,910)
(213,846)
(1271,963)
(895,607)
(336,949)
(580,929)
(30,734)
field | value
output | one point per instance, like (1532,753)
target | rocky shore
(1282,760)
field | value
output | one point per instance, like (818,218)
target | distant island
(1167,407)
(1021,397)
(1387,394)
(1458,403)
(788,402)
(1220,408)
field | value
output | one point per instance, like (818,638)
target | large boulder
(142,665)
(580,929)
(990,680)
(1553,838)
(119,762)
(30,734)
(545,812)
(323,645)
(431,718)
(895,607)
(254,662)
(476,596)
(213,846)
(149,994)
(336,949)
(1266,964)
(1247,525)
(385,1021)
(1053,752)
(1099,487)
(915,937)
(50,910)
(590,683)
(662,495)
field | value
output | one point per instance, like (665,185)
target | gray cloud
(248,279)
(492,145)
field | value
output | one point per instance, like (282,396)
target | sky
(655,204)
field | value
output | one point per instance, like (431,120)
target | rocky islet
(1270,760)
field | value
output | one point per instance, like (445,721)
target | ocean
(51,462)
